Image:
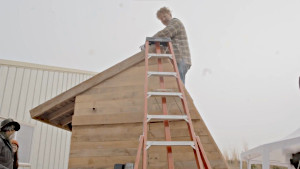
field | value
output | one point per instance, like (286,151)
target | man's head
(164,15)
(9,126)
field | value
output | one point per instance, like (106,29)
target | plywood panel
(93,110)
(129,132)
(103,145)
(104,149)
(107,119)
(129,105)
(178,164)
(108,162)
(107,132)
(124,94)
(98,162)
(179,154)
(109,103)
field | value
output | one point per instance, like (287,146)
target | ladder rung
(160,55)
(170,94)
(170,143)
(163,90)
(162,41)
(162,74)
(158,39)
(167,117)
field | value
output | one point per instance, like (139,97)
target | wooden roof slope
(58,111)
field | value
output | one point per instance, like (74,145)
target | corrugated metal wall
(24,86)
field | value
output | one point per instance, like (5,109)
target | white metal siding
(24,86)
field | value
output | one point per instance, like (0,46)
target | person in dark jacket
(15,146)
(7,129)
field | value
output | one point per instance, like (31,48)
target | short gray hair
(8,128)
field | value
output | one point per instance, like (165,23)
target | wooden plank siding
(107,124)
(82,87)
(24,86)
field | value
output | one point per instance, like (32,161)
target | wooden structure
(105,115)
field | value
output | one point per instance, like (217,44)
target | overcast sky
(245,53)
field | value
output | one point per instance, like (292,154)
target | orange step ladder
(200,156)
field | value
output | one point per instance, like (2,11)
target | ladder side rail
(186,109)
(138,154)
(165,111)
(203,154)
(145,125)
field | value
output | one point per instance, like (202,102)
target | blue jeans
(182,68)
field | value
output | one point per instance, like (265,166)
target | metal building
(24,86)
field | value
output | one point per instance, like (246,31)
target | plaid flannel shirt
(176,31)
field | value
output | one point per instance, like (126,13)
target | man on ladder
(163,39)
(175,30)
